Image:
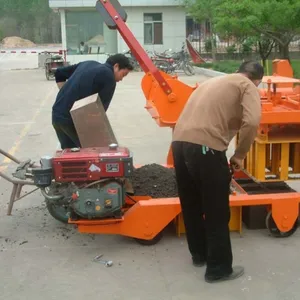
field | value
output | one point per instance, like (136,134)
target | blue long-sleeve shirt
(82,80)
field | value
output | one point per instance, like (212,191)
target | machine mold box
(91,123)
(254,217)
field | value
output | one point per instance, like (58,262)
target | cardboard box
(91,123)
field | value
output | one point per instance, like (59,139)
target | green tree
(265,47)
(205,10)
(275,20)
(30,19)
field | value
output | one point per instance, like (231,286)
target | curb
(23,69)
(208,72)
(16,51)
(212,73)
(39,51)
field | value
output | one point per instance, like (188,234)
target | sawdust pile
(16,42)
(96,40)
(154,180)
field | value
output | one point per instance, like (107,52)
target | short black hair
(252,69)
(121,60)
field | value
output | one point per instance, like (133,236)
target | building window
(86,34)
(153,29)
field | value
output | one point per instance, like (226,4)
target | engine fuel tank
(91,164)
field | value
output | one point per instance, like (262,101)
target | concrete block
(91,123)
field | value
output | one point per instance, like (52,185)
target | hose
(51,198)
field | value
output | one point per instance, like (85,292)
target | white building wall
(173,18)
(174,27)
(127,3)
(63,28)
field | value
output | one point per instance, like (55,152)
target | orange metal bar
(260,159)
(284,161)
(281,115)
(137,50)
(296,158)
(279,79)
(166,96)
(170,160)
(275,163)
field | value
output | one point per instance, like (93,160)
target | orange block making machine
(275,155)
(97,203)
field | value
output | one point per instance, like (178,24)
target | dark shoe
(198,262)
(237,272)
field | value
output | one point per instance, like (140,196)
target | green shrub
(247,46)
(230,66)
(231,49)
(296,68)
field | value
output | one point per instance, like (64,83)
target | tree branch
(273,35)
(270,49)
(266,33)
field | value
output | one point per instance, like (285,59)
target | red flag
(194,53)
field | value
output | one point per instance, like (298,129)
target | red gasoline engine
(86,183)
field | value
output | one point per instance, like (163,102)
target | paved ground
(40,257)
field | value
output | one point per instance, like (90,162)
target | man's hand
(236,163)
(60,84)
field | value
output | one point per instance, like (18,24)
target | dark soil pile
(155,181)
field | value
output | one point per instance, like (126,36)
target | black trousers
(203,179)
(66,134)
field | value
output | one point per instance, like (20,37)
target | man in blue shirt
(79,81)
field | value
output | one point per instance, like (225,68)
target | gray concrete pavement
(13,61)
(41,258)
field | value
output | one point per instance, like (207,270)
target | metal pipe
(51,198)
(16,181)
(9,156)
(96,182)
(12,199)
(25,195)
(19,189)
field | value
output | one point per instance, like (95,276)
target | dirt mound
(16,42)
(154,180)
(96,40)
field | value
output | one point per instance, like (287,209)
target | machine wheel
(275,232)
(151,242)
(188,69)
(163,66)
(57,212)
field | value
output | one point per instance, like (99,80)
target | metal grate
(74,170)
